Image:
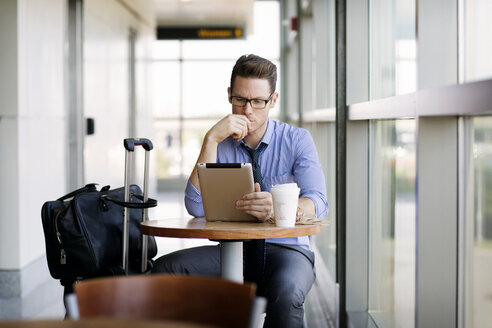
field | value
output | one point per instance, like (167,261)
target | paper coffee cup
(285,199)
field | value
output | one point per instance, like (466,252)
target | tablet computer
(221,185)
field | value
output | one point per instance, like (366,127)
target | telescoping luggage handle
(130,144)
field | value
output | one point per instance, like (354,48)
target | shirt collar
(267,137)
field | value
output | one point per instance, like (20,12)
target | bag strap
(149,203)
(87,187)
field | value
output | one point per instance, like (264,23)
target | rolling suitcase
(91,233)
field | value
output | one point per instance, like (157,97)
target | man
(283,154)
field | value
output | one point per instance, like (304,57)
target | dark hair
(255,67)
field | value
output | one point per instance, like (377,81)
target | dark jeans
(289,275)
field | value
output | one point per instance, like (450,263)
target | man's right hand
(234,125)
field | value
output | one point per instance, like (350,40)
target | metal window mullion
(75,124)
(437,222)
(437,23)
(357,223)
(181,106)
(341,126)
(300,98)
(283,62)
(468,188)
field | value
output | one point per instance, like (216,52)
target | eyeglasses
(255,103)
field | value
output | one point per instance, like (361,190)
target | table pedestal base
(231,260)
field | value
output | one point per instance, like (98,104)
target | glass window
(178,145)
(167,145)
(166,49)
(193,133)
(324,136)
(392,222)
(205,90)
(324,53)
(166,91)
(393,48)
(478,218)
(478,40)
(190,80)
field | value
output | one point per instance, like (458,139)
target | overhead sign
(199,33)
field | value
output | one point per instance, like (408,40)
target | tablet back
(221,185)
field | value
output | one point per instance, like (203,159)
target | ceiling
(205,13)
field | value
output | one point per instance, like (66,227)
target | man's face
(253,88)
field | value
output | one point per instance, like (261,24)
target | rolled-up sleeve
(193,201)
(308,173)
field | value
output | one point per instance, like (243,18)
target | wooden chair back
(196,299)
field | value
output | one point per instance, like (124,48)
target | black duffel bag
(84,232)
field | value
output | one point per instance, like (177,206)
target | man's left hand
(258,204)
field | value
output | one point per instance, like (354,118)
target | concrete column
(9,130)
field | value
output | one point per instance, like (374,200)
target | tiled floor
(44,300)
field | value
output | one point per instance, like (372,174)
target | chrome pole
(145,215)
(126,210)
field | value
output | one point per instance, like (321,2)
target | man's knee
(194,261)
(285,307)
(170,264)
(287,295)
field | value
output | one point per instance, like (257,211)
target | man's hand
(259,204)
(234,125)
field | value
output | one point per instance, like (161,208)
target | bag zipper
(63,254)
(78,216)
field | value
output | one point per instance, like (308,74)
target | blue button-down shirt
(290,156)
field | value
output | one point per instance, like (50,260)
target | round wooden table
(98,323)
(229,234)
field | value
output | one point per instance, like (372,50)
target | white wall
(106,86)
(33,121)
(32,125)
(9,229)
